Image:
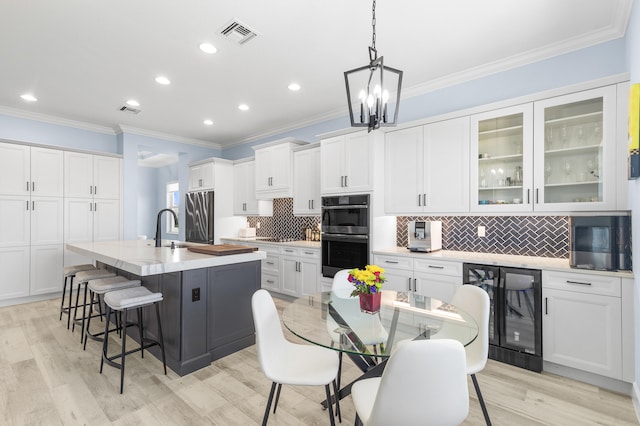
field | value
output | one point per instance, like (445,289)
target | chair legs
(275,404)
(481,400)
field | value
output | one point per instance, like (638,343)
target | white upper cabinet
(274,169)
(346,163)
(422,166)
(91,176)
(502,160)
(555,155)
(202,176)
(244,192)
(306,182)
(574,151)
(26,170)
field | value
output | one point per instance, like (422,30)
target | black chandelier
(369,102)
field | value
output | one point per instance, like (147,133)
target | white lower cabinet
(46,269)
(89,220)
(422,275)
(289,270)
(300,269)
(582,322)
(14,264)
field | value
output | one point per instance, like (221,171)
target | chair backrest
(424,382)
(270,340)
(475,301)
(341,286)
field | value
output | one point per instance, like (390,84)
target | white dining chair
(424,382)
(285,362)
(475,301)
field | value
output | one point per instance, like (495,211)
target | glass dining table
(336,322)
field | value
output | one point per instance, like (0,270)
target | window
(173,203)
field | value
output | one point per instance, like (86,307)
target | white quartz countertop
(263,240)
(530,262)
(142,258)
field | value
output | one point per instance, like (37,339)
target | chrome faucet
(175,218)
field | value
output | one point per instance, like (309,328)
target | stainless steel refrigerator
(199,217)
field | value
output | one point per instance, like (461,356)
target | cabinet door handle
(95,190)
(33,186)
(424,200)
(395,262)
(341,181)
(313,206)
(27,205)
(346,181)
(577,282)
(27,186)
(33,205)
(546,306)
(91,189)
(409,284)
(537,200)
(419,201)
(436,267)
(95,207)
(415,284)
(90,207)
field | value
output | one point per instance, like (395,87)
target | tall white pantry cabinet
(34,217)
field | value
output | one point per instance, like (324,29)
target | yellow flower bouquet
(367,281)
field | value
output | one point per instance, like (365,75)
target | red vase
(370,303)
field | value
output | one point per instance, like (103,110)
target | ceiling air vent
(237,32)
(130,109)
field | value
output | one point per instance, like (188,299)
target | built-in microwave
(600,242)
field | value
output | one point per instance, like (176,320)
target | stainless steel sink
(177,245)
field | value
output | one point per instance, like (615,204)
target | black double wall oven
(345,233)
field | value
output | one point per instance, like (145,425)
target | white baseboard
(29,299)
(614,385)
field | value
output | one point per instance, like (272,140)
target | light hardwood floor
(46,378)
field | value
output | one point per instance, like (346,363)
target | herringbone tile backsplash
(546,236)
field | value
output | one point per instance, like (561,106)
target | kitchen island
(206,307)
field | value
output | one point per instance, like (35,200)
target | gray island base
(205,312)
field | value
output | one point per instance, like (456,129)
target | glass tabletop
(334,322)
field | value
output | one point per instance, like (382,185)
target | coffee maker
(425,236)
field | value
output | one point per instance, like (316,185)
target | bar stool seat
(121,301)
(69,274)
(99,287)
(82,278)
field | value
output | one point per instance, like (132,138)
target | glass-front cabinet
(502,159)
(575,143)
(557,154)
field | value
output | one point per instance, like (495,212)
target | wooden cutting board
(222,249)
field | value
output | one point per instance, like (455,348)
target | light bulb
(385,96)
(370,101)
(362,96)
(377,90)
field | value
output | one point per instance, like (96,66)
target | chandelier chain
(373,24)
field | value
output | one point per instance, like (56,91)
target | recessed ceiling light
(208,48)
(29,97)
(294,87)
(208,122)
(243,107)
(162,80)
(133,102)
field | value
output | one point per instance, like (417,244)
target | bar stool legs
(122,301)
(69,274)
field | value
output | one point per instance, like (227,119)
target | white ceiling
(83,59)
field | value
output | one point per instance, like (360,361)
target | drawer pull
(309,252)
(270,281)
(577,282)
(270,263)
(436,267)
(391,261)
(288,251)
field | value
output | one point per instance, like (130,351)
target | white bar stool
(100,287)
(123,300)
(69,274)
(82,278)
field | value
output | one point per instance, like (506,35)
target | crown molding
(29,115)
(165,136)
